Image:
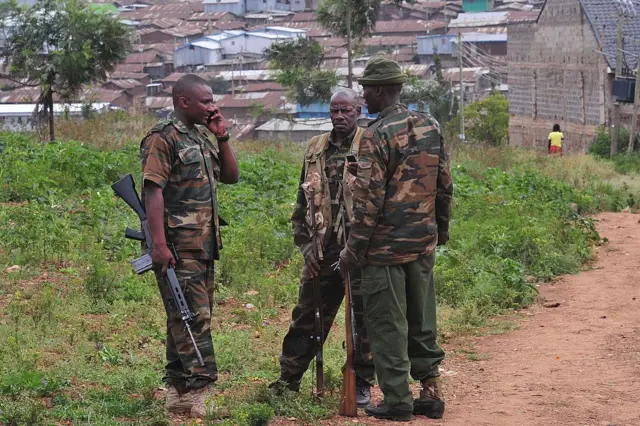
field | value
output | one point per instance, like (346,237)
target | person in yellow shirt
(555,140)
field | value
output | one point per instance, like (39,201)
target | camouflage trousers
(183,370)
(298,346)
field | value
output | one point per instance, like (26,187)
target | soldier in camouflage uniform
(402,203)
(181,165)
(326,155)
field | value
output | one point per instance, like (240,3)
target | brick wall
(556,77)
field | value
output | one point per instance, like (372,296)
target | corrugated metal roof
(390,41)
(204,43)
(602,15)
(483,19)
(160,23)
(475,37)
(407,26)
(484,30)
(23,110)
(124,84)
(158,102)
(206,16)
(297,125)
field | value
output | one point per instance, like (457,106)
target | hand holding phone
(215,123)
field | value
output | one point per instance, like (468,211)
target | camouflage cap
(382,71)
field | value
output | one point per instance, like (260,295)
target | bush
(252,415)
(601,145)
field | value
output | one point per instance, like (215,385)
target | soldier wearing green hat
(402,203)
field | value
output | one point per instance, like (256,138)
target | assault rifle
(318,332)
(125,188)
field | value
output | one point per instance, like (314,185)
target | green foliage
(601,145)
(486,121)
(297,62)
(252,415)
(219,85)
(432,93)
(332,15)
(95,330)
(61,46)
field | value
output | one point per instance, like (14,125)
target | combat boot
(389,412)
(363,392)
(197,398)
(278,387)
(176,403)
(431,401)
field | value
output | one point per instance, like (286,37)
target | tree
(298,62)
(219,86)
(486,121)
(351,20)
(60,46)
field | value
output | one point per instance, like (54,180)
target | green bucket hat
(382,71)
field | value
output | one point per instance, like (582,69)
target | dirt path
(575,364)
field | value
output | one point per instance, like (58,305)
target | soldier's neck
(184,120)
(340,137)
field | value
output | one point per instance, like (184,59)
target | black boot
(278,387)
(363,392)
(388,412)
(431,401)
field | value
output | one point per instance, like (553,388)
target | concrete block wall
(556,77)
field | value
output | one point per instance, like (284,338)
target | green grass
(81,336)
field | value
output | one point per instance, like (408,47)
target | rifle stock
(348,403)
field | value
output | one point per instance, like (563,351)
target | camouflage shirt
(185,164)
(403,189)
(335,158)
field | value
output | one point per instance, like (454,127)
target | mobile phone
(351,158)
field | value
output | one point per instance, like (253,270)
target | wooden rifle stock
(348,403)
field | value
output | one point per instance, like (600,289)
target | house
(212,49)
(475,6)
(570,84)
(409,28)
(180,35)
(295,130)
(19,117)
(199,52)
(213,17)
(132,86)
(236,7)
(479,49)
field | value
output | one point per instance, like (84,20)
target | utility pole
(462,136)
(616,105)
(349,64)
(634,117)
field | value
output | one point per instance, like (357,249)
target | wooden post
(634,117)
(616,106)
(462,136)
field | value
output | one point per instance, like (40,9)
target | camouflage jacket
(403,189)
(334,160)
(185,164)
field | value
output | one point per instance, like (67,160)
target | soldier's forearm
(229,170)
(154,206)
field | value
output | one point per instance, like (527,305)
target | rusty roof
(261,87)
(123,75)
(332,42)
(158,47)
(416,26)
(143,57)
(133,67)
(271,100)
(158,102)
(206,16)
(304,17)
(391,41)
(124,84)
(160,23)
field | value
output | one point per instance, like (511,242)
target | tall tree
(60,46)
(298,62)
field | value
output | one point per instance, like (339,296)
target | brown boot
(197,398)
(176,403)
(431,401)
